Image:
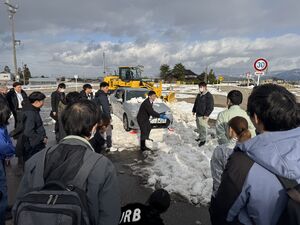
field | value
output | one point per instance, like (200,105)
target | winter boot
(201,143)
(143,146)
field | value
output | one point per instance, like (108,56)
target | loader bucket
(170,97)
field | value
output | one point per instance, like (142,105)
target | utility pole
(12,9)
(104,72)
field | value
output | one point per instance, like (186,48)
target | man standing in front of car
(102,101)
(143,116)
(203,107)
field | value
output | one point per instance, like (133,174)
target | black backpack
(291,213)
(56,203)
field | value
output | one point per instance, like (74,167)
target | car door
(119,103)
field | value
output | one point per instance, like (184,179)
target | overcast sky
(67,37)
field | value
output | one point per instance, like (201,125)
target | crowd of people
(257,154)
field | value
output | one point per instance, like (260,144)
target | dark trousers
(15,115)
(145,128)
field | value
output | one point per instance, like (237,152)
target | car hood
(158,107)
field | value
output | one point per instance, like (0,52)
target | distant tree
(202,76)
(6,69)
(178,71)
(164,71)
(63,79)
(20,73)
(27,72)
(211,77)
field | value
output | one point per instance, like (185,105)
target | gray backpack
(56,203)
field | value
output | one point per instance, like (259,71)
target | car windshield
(136,94)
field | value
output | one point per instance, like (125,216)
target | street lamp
(12,9)
(76,77)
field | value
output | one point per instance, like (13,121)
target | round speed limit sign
(260,64)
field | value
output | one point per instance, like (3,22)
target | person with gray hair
(3,92)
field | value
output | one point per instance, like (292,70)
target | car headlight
(168,112)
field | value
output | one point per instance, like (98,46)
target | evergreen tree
(202,76)
(20,73)
(211,77)
(6,69)
(164,71)
(178,72)
(27,73)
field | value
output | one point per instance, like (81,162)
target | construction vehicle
(130,76)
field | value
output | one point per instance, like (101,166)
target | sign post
(260,65)
(248,75)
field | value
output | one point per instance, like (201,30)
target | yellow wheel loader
(131,77)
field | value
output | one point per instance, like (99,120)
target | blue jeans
(3,190)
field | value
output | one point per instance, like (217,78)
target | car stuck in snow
(126,102)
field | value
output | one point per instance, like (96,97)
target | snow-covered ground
(177,163)
(188,91)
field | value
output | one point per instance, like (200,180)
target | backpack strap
(292,188)
(84,171)
(38,180)
(287,183)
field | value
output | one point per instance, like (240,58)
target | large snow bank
(178,164)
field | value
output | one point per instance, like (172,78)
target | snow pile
(136,100)
(185,91)
(217,91)
(177,163)
(140,100)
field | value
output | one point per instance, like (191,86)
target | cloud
(70,36)
(237,53)
(193,19)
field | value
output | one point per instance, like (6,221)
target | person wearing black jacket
(101,99)
(143,116)
(56,97)
(15,97)
(34,136)
(87,92)
(149,214)
(203,107)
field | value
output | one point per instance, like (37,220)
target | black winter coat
(140,214)
(204,104)
(34,131)
(84,96)
(146,110)
(56,97)
(101,99)
(12,100)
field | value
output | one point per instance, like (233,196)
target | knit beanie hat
(160,200)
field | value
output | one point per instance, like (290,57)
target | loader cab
(129,73)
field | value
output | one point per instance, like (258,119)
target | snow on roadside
(192,89)
(177,163)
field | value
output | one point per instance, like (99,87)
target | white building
(5,77)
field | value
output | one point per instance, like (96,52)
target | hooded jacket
(102,190)
(250,193)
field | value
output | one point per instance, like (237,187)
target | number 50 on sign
(260,64)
